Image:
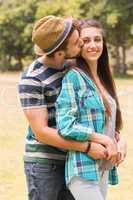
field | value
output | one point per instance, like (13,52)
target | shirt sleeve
(67,111)
(31,93)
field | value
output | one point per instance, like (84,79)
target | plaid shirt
(80,112)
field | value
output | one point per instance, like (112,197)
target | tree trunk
(124,59)
(117,65)
(19,65)
(120,67)
(5,63)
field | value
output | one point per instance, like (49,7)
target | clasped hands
(115,150)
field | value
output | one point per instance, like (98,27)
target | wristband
(88,147)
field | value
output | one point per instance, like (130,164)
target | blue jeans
(45,181)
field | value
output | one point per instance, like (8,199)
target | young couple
(71,111)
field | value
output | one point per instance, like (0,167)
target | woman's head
(95,50)
(91,33)
(95,47)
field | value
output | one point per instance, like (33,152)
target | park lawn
(12,136)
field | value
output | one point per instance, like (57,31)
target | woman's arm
(67,110)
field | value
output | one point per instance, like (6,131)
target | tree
(17,18)
(116,17)
(119,24)
(15,32)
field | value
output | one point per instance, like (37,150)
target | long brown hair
(103,71)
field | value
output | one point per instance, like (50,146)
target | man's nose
(81,42)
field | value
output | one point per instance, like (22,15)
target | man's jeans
(45,181)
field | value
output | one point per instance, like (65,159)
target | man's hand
(97,151)
(108,143)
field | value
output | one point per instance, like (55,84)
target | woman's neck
(93,68)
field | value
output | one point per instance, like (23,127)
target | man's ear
(59,54)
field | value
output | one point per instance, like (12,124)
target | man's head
(56,37)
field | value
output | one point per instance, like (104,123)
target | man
(56,39)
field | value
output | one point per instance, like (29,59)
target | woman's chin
(91,59)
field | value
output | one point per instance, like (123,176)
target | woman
(88,109)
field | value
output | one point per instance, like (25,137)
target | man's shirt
(38,88)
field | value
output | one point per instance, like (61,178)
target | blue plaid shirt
(79,113)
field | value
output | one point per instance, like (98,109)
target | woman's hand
(112,150)
(117,136)
(122,146)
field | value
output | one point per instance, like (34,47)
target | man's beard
(73,57)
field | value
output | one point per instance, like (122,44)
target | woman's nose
(92,44)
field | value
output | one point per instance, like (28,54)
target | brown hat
(49,33)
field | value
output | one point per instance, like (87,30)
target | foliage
(17,18)
(15,32)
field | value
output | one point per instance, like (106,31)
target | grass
(12,134)
(124,77)
(12,137)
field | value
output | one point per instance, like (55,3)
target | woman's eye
(86,41)
(98,39)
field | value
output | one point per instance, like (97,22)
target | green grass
(12,136)
(124,77)
(128,76)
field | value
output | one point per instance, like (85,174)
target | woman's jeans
(89,190)
(45,181)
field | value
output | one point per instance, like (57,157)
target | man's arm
(31,93)
(38,120)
